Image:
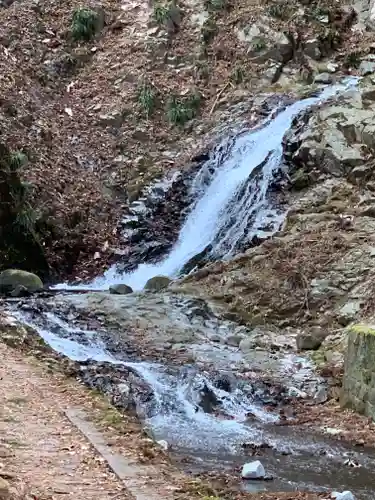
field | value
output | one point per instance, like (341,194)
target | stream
(201,414)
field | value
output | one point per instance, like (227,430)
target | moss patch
(363,329)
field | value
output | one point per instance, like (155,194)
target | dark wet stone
(223,382)
(157,283)
(120,289)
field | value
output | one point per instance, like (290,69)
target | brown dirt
(271,283)
(346,425)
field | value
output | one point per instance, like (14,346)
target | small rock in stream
(120,289)
(157,283)
(253,470)
(345,495)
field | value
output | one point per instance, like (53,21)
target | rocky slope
(101,116)
(316,275)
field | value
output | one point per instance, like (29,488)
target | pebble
(253,470)
(345,495)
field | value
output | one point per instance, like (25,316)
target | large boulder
(12,279)
(358,389)
(157,283)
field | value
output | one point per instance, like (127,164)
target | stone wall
(358,391)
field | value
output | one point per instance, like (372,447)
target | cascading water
(231,198)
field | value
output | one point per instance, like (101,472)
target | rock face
(358,390)
(120,289)
(12,279)
(253,470)
(157,283)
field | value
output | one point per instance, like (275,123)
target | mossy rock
(12,279)
(157,283)
(362,328)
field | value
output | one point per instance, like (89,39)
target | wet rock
(124,389)
(345,495)
(157,283)
(247,344)
(10,279)
(20,291)
(273,72)
(310,340)
(312,49)
(234,340)
(223,382)
(207,399)
(120,289)
(253,470)
(366,68)
(321,396)
(325,78)
(296,393)
(199,260)
(349,312)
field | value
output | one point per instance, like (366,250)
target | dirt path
(41,450)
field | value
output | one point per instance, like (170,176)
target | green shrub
(352,60)
(147,98)
(201,70)
(208,30)
(167,15)
(280,10)
(215,5)
(182,109)
(17,159)
(84,24)
(238,74)
(258,44)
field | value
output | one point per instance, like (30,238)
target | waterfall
(231,192)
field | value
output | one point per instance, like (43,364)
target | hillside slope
(100,117)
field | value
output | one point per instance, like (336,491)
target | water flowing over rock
(237,197)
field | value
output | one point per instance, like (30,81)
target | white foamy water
(218,217)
